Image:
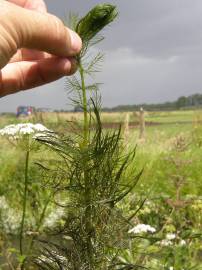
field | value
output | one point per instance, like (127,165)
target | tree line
(183,102)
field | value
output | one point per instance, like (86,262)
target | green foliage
(189,102)
(90,25)
(157,185)
(173,204)
(107,174)
(92,174)
(95,21)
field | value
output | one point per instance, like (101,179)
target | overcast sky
(153,53)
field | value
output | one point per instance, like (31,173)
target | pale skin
(35,46)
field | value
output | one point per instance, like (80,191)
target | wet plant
(92,174)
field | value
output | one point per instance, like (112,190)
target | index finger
(37,5)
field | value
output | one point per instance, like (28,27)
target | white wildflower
(170,236)
(166,243)
(171,268)
(14,131)
(182,242)
(142,228)
(10,130)
(26,130)
(40,127)
(168,240)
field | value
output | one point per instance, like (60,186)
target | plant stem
(85,109)
(87,195)
(24,201)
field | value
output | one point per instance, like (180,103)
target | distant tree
(181,102)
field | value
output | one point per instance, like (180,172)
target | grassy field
(187,116)
(171,158)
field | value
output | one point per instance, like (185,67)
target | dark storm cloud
(149,27)
(153,54)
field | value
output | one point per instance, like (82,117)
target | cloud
(131,78)
(157,28)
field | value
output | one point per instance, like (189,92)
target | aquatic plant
(93,172)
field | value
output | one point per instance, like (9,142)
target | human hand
(50,46)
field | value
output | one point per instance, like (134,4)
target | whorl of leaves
(100,16)
(110,181)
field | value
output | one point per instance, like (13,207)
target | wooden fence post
(126,129)
(142,124)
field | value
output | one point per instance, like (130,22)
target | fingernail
(76,42)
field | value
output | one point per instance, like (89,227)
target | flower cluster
(170,238)
(18,130)
(142,228)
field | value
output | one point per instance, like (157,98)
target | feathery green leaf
(100,16)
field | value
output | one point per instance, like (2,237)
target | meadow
(166,200)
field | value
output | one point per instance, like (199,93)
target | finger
(29,55)
(25,75)
(37,5)
(26,54)
(43,32)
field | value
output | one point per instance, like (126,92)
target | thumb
(22,28)
(38,5)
